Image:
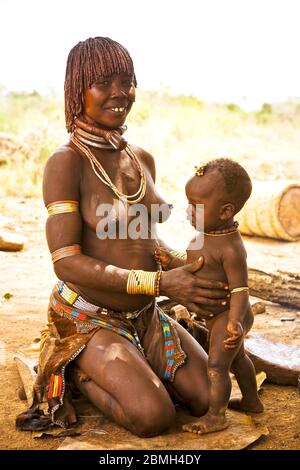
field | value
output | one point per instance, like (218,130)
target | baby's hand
(164,257)
(235,333)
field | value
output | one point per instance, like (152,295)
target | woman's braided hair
(89,61)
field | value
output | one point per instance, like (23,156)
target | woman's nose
(117,90)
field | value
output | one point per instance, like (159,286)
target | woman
(125,355)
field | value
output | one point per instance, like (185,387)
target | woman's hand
(182,286)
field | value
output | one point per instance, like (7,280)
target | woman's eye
(102,83)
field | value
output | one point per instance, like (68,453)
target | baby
(223,187)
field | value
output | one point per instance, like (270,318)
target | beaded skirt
(70,328)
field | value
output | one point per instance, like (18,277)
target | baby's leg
(244,372)
(219,362)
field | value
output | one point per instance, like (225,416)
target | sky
(218,50)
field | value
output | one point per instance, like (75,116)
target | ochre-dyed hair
(238,184)
(89,61)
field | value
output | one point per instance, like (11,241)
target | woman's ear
(227,211)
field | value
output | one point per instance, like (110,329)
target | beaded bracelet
(157,283)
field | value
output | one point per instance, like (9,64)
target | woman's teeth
(118,110)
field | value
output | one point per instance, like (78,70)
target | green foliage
(263,116)
(7,296)
(233,107)
(179,131)
(266,108)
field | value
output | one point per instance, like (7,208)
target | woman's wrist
(141,282)
(164,283)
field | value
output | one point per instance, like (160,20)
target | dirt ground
(28,277)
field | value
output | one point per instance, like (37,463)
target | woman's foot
(208,423)
(240,404)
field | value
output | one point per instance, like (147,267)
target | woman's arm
(62,182)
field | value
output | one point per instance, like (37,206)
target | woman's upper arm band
(62,207)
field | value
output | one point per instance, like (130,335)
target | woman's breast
(125,253)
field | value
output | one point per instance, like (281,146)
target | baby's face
(206,190)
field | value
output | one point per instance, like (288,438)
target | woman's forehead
(101,76)
(115,74)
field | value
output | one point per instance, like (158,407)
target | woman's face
(109,101)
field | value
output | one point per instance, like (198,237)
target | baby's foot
(250,406)
(208,423)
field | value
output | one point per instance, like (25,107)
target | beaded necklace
(225,231)
(105,179)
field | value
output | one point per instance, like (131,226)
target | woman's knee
(154,416)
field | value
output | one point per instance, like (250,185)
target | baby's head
(223,186)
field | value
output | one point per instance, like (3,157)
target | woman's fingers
(197,310)
(213,293)
(211,302)
(209,284)
(182,286)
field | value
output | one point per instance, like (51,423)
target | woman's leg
(123,386)
(190,385)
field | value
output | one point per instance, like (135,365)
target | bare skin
(119,374)
(225,258)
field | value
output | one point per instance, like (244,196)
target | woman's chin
(111,122)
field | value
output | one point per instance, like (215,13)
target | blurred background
(215,78)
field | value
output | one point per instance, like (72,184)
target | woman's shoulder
(65,155)
(62,174)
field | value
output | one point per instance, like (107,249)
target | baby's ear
(227,211)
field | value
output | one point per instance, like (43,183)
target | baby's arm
(167,260)
(235,266)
